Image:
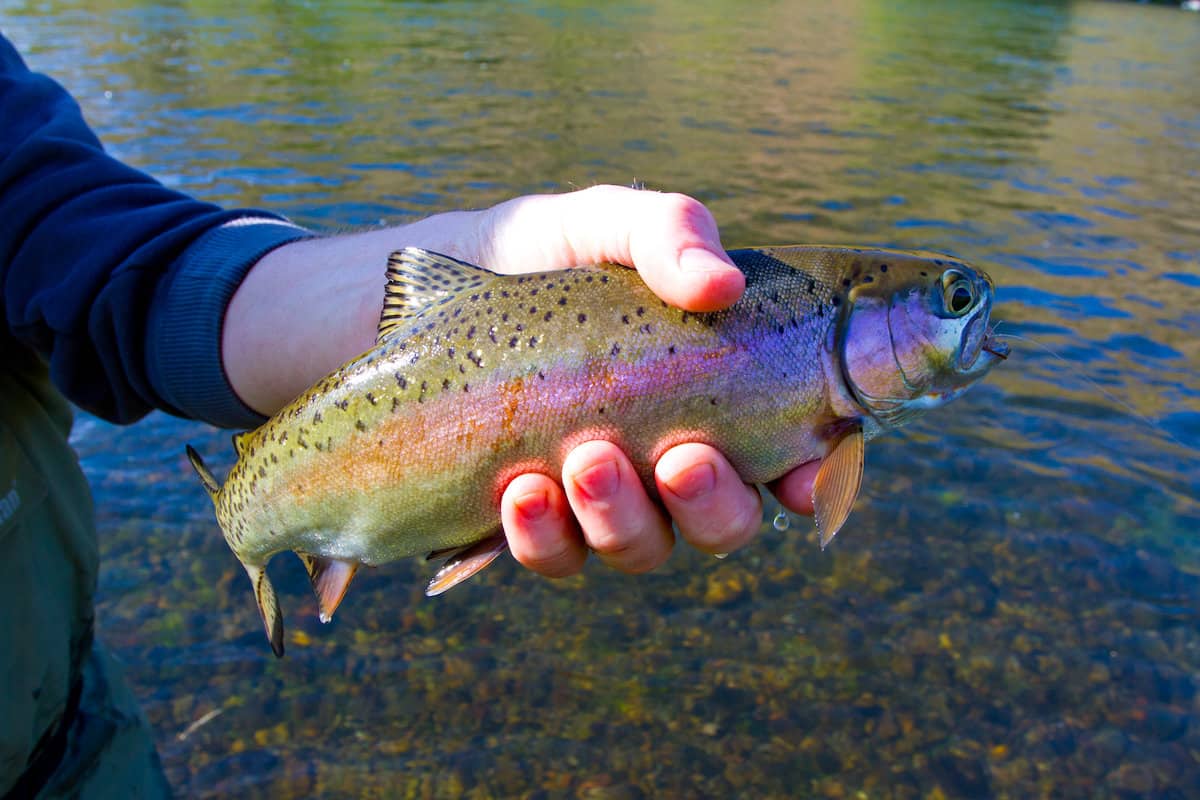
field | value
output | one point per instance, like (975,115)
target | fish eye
(958,293)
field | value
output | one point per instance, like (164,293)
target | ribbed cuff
(183,351)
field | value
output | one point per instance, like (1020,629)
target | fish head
(917,335)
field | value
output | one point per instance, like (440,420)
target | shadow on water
(1013,608)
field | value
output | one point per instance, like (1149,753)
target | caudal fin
(206,476)
(268,606)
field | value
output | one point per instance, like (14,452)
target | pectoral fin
(837,484)
(466,562)
(330,578)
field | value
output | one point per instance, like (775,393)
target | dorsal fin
(240,441)
(418,279)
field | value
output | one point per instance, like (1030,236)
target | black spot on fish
(712,400)
(450,352)
(616,349)
(686,316)
(547,316)
(504,293)
(283,437)
(504,317)
(462,370)
(779,330)
(532,341)
(868,279)
(845,282)
(471,332)
(601,409)
(588,279)
(445,384)
(625,319)
(274,460)
(604,279)
(562,301)
(520,327)
(395,404)
(533,309)
(924,274)
(541,375)
(490,310)
(671,349)
(474,297)
(512,342)
(358,423)
(316,420)
(883,267)
(466,388)
(836,301)
(487,296)
(370,398)
(582,318)
(533,292)
(641,311)
(401,381)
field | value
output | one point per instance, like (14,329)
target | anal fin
(330,577)
(838,481)
(465,562)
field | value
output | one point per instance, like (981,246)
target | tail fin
(264,592)
(268,607)
(206,477)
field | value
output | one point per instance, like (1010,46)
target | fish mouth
(980,337)
(989,345)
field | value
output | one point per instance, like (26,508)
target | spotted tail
(264,592)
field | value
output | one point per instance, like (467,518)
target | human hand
(601,505)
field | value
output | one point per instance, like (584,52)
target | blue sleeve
(118,282)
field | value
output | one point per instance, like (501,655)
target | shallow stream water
(1013,609)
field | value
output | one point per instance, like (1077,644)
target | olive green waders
(69,727)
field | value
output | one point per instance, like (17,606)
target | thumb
(671,239)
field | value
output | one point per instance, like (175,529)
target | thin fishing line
(1073,369)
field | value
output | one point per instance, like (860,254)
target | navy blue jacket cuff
(183,356)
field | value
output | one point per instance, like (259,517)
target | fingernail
(698,259)
(599,481)
(692,483)
(532,506)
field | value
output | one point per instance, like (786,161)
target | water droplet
(781,521)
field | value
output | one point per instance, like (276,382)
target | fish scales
(480,377)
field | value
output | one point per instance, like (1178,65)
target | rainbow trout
(479,377)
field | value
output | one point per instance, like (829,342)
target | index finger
(671,239)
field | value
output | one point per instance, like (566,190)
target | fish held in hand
(479,377)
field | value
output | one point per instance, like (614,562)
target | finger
(795,489)
(671,239)
(619,521)
(541,532)
(714,510)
